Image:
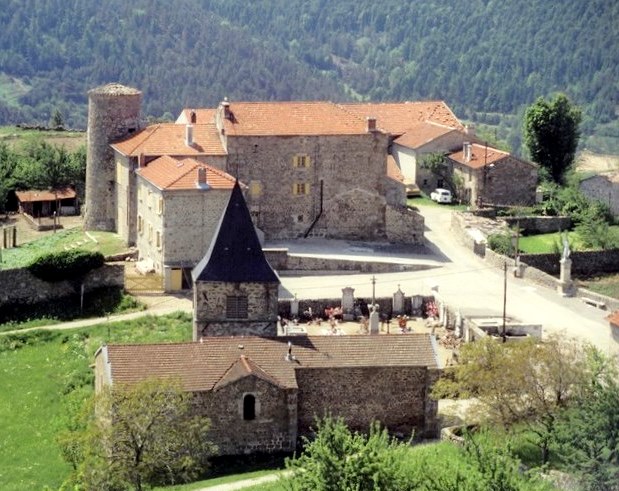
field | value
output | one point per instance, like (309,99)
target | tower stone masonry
(113,114)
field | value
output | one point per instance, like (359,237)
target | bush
(65,265)
(501,243)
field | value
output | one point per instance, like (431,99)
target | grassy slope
(107,243)
(36,383)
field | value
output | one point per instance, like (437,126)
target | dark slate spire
(235,254)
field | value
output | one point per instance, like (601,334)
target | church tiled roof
(214,361)
(235,254)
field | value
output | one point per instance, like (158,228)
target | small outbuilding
(44,203)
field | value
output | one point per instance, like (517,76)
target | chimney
(371,124)
(226,107)
(469,129)
(189,135)
(141,160)
(466,152)
(201,177)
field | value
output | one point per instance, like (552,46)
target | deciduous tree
(551,134)
(527,382)
(138,436)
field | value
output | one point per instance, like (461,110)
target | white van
(441,195)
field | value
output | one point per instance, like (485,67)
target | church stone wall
(210,316)
(273,430)
(395,396)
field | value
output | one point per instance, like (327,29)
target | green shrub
(501,243)
(65,265)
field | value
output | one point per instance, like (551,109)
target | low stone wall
(281,261)
(584,263)
(539,225)
(318,306)
(20,286)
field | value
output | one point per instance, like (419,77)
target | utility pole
(373,290)
(504,299)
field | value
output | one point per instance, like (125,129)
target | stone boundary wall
(318,306)
(529,268)
(584,263)
(281,261)
(539,225)
(20,286)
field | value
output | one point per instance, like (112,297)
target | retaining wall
(21,286)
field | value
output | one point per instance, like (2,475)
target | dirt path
(245,483)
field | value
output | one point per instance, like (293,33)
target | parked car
(412,190)
(441,195)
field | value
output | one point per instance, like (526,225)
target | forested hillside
(481,56)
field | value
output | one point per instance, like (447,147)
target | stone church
(262,391)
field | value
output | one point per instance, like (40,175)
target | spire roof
(235,254)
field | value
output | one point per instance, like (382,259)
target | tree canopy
(551,134)
(138,436)
(53,51)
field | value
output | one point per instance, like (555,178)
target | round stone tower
(113,114)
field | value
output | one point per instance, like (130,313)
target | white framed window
(158,239)
(140,224)
(159,205)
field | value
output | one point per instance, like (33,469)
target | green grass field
(106,242)
(549,243)
(43,374)
(606,285)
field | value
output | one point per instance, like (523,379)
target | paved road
(464,282)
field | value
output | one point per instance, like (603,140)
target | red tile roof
(613,318)
(292,119)
(168,173)
(480,155)
(45,195)
(169,139)
(202,366)
(399,117)
(202,116)
(422,133)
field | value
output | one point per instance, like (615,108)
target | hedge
(65,265)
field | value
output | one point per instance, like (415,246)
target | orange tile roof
(393,170)
(203,116)
(169,139)
(45,195)
(202,365)
(399,117)
(168,173)
(422,133)
(480,156)
(292,119)
(613,318)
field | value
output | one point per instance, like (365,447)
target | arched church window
(249,407)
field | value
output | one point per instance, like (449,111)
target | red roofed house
(489,175)
(179,203)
